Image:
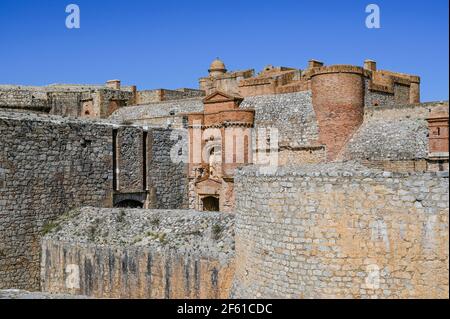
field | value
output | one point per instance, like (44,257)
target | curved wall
(338,100)
(341,231)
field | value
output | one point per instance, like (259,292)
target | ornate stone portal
(219,142)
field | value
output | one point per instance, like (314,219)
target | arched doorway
(211,204)
(129,203)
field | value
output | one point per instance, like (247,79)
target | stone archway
(211,204)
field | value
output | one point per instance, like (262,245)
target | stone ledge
(349,170)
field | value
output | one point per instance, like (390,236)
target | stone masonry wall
(292,114)
(341,231)
(168,178)
(395,133)
(47,165)
(155,110)
(65,103)
(15,98)
(130,157)
(118,253)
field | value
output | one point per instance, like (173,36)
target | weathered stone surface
(292,114)
(23,294)
(49,165)
(341,231)
(130,159)
(157,110)
(167,175)
(140,254)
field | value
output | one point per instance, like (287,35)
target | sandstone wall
(47,165)
(140,254)
(15,98)
(341,231)
(65,103)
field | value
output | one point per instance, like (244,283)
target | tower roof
(217,65)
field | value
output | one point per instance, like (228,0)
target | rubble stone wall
(48,165)
(167,173)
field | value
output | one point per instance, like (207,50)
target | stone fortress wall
(341,231)
(125,253)
(49,165)
(66,100)
(92,101)
(153,96)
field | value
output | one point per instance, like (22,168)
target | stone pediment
(208,187)
(208,181)
(221,97)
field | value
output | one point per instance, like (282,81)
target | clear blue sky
(170,44)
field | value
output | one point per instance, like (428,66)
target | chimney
(370,65)
(314,64)
(113,84)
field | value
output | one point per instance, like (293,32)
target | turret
(338,99)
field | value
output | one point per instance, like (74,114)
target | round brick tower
(338,99)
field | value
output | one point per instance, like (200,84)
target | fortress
(323,182)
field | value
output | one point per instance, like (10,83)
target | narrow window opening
(144,160)
(114,149)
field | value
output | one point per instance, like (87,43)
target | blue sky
(169,44)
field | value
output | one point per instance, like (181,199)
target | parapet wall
(66,100)
(117,253)
(160,95)
(16,98)
(341,231)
